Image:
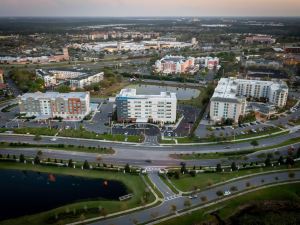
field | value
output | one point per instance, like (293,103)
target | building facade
(266,39)
(77,79)
(174,64)
(72,106)
(208,62)
(86,80)
(229,100)
(132,107)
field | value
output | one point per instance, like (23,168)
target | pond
(27,192)
(181,93)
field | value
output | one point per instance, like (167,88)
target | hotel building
(174,64)
(72,106)
(132,107)
(229,98)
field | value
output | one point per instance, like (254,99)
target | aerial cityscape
(135,112)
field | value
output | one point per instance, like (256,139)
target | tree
(268,161)
(219,168)
(187,203)
(233,166)
(70,163)
(298,153)
(281,160)
(183,168)
(86,165)
(127,168)
(63,89)
(290,161)
(37,137)
(37,160)
(173,208)
(254,143)
(22,158)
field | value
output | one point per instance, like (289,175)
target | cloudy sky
(149,7)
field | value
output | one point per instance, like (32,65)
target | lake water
(181,93)
(26,192)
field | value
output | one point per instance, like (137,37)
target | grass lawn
(216,155)
(82,133)
(226,209)
(230,138)
(232,155)
(87,209)
(167,141)
(203,180)
(79,133)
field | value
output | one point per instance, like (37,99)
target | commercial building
(49,78)
(86,80)
(77,79)
(208,62)
(174,64)
(229,100)
(132,107)
(72,106)
(295,50)
(263,63)
(59,57)
(263,39)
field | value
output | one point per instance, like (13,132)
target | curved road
(164,208)
(137,154)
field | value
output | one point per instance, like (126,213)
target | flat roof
(38,95)
(131,93)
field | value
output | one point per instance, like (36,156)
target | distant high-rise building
(194,41)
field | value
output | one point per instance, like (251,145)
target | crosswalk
(154,169)
(150,140)
(168,198)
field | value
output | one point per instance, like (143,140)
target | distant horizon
(149,8)
(149,17)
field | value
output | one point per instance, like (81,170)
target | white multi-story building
(132,107)
(86,80)
(69,106)
(49,78)
(66,74)
(229,99)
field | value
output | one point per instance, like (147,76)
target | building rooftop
(53,95)
(84,76)
(131,93)
(227,88)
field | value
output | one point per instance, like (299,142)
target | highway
(137,154)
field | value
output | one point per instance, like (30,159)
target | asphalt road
(164,209)
(138,154)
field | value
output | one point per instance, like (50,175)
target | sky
(120,8)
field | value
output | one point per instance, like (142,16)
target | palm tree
(173,208)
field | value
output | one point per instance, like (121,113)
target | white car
(193,196)
(226,193)
(53,139)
